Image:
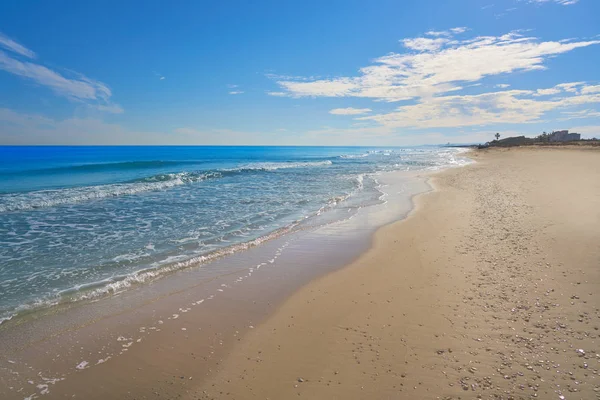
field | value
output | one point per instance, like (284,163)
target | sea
(83,223)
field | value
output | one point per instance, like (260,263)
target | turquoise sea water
(86,222)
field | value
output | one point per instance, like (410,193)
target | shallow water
(86,222)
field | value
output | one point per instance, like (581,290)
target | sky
(378,73)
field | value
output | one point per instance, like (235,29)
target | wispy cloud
(110,108)
(12,46)
(425,44)
(349,111)
(580,114)
(561,2)
(434,66)
(277,94)
(502,85)
(449,32)
(460,29)
(236,89)
(77,87)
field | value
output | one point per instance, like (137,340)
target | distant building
(512,141)
(564,136)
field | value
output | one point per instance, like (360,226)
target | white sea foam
(43,388)
(359,181)
(82,365)
(6,318)
(129,256)
(51,198)
(173,263)
(355,155)
(272,166)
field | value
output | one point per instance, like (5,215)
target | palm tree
(497,135)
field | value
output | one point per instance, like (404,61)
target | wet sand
(489,289)
(160,339)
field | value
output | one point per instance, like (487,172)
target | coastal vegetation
(555,138)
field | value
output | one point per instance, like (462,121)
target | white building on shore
(564,136)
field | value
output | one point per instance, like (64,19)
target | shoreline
(90,291)
(173,312)
(470,295)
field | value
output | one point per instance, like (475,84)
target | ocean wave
(56,197)
(7,317)
(355,155)
(118,284)
(273,166)
(359,181)
(386,152)
(107,166)
(370,153)
(174,263)
(51,198)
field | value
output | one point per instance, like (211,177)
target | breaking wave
(50,198)
(273,166)
(108,166)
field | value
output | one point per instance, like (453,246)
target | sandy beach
(489,289)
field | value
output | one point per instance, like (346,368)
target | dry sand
(489,289)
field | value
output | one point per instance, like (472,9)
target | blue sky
(296,72)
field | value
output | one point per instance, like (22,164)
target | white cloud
(587,113)
(277,94)
(504,107)
(349,111)
(561,2)
(591,89)
(449,32)
(437,33)
(502,85)
(424,44)
(77,88)
(460,29)
(15,47)
(570,87)
(234,90)
(547,92)
(81,89)
(433,67)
